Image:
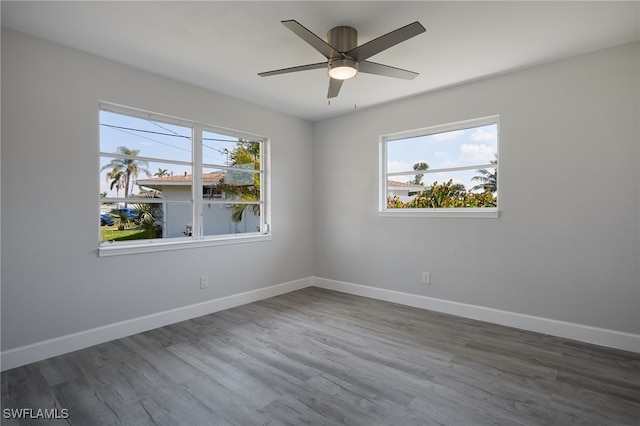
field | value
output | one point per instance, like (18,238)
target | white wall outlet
(426,278)
(204,281)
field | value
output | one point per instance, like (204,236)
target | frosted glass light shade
(343,69)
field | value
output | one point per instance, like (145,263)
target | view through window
(453,166)
(148,166)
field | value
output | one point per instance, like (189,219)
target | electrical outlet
(204,281)
(426,278)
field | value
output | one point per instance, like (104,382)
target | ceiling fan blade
(316,42)
(295,69)
(386,41)
(334,87)
(386,70)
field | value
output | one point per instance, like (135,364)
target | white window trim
(477,213)
(106,248)
(150,246)
(384,211)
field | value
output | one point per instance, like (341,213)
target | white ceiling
(223,45)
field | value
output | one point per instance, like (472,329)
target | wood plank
(321,357)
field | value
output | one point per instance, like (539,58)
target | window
(448,170)
(148,166)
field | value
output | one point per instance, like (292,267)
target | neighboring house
(405,191)
(176,217)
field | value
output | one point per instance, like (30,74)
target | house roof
(404,185)
(180,180)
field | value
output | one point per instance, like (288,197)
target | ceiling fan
(345,58)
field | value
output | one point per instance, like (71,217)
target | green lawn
(111,233)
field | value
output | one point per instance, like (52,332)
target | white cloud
(471,153)
(481,135)
(439,137)
(399,166)
(448,164)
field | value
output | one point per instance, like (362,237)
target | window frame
(197,201)
(443,212)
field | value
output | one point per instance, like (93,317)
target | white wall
(53,283)
(570,133)
(566,245)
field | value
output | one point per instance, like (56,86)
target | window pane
(456,148)
(177,220)
(465,180)
(456,168)
(212,184)
(148,138)
(162,178)
(143,221)
(168,181)
(230,185)
(217,149)
(227,151)
(444,190)
(403,188)
(122,176)
(222,189)
(219,218)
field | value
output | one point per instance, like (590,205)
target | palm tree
(150,218)
(419,167)
(489,180)
(121,219)
(129,166)
(161,172)
(245,152)
(116,176)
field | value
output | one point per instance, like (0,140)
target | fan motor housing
(343,38)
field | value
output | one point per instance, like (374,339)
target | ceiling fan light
(343,69)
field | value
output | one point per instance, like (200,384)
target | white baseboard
(46,349)
(583,333)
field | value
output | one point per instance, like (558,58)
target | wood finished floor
(320,357)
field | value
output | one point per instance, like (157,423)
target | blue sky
(157,140)
(167,141)
(457,148)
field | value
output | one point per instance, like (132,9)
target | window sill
(151,246)
(483,213)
